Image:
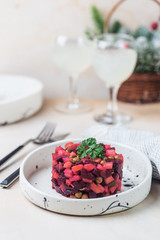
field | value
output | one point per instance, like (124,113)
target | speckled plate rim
(110,199)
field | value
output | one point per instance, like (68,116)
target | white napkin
(145,141)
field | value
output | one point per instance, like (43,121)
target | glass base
(108,119)
(72,108)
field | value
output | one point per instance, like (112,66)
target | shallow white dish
(20,97)
(35,182)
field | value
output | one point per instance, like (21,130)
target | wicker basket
(139,88)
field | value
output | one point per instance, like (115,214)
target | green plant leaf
(98,19)
(143,32)
(115,27)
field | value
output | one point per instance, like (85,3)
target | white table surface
(21,220)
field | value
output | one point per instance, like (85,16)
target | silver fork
(42,138)
(13,176)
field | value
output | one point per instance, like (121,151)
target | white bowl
(20,97)
(35,182)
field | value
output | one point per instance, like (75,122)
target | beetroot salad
(86,170)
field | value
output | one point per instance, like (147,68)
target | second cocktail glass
(114,61)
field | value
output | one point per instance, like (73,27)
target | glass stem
(112,106)
(73,100)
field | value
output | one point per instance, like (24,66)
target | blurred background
(28,28)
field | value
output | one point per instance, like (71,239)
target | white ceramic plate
(20,97)
(35,182)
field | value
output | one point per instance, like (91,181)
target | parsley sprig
(91,148)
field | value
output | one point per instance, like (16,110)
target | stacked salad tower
(86,170)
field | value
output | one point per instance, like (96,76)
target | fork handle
(3,160)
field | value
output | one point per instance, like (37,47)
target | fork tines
(47,131)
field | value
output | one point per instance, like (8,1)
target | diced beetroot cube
(56,168)
(68,173)
(89,167)
(87,175)
(62,187)
(78,144)
(75,178)
(95,188)
(79,185)
(110,152)
(102,144)
(58,148)
(118,169)
(54,181)
(90,161)
(87,180)
(108,165)
(97,160)
(60,166)
(106,189)
(69,191)
(121,157)
(58,189)
(61,179)
(103,174)
(96,172)
(119,185)
(67,154)
(118,161)
(112,189)
(55,175)
(54,162)
(68,144)
(107,146)
(92,194)
(84,159)
(77,168)
(109,180)
(116,177)
(100,167)
(68,182)
(54,155)
(67,165)
(72,147)
(73,154)
(100,187)
(106,173)
(67,159)
(61,153)
(59,159)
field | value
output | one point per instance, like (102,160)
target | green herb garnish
(91,148)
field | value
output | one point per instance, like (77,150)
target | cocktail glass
(74,56)
(114,61)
